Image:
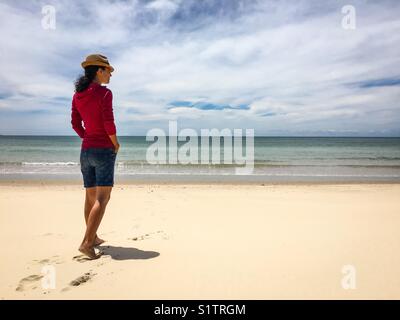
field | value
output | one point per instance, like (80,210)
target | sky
(282,68)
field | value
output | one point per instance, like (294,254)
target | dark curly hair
(83,81)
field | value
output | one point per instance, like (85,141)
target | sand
(188,241)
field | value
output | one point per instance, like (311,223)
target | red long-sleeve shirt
(93,106)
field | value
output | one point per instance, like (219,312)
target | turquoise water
(275,159)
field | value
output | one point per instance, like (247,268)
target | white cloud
(294,65)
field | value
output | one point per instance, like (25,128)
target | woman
(92,104)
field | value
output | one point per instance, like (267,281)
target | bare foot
(98,241)
(89,252)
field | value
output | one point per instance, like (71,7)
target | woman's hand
(116,147)
(115,142)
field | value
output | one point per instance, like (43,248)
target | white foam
(42,164)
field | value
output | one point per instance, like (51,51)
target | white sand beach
(198,241)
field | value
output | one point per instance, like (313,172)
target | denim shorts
(97,166)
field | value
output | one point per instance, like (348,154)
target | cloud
(275,66)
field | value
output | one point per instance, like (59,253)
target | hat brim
(95,63)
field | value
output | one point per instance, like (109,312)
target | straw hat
(97,60)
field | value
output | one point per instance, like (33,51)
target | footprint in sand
(83,258)
(99,262)
(52,260)
(144,237)
(80,280)
(159,234)
(57,235)
(29,282)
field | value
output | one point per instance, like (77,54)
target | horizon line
(256,136)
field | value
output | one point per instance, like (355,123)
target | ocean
(276,159)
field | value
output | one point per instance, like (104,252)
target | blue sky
(279,67)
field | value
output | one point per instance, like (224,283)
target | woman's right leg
(94,219)
(90,200)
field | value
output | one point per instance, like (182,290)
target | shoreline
(23,183)
(198,179)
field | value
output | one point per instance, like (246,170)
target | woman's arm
(76,121)
(108,118)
